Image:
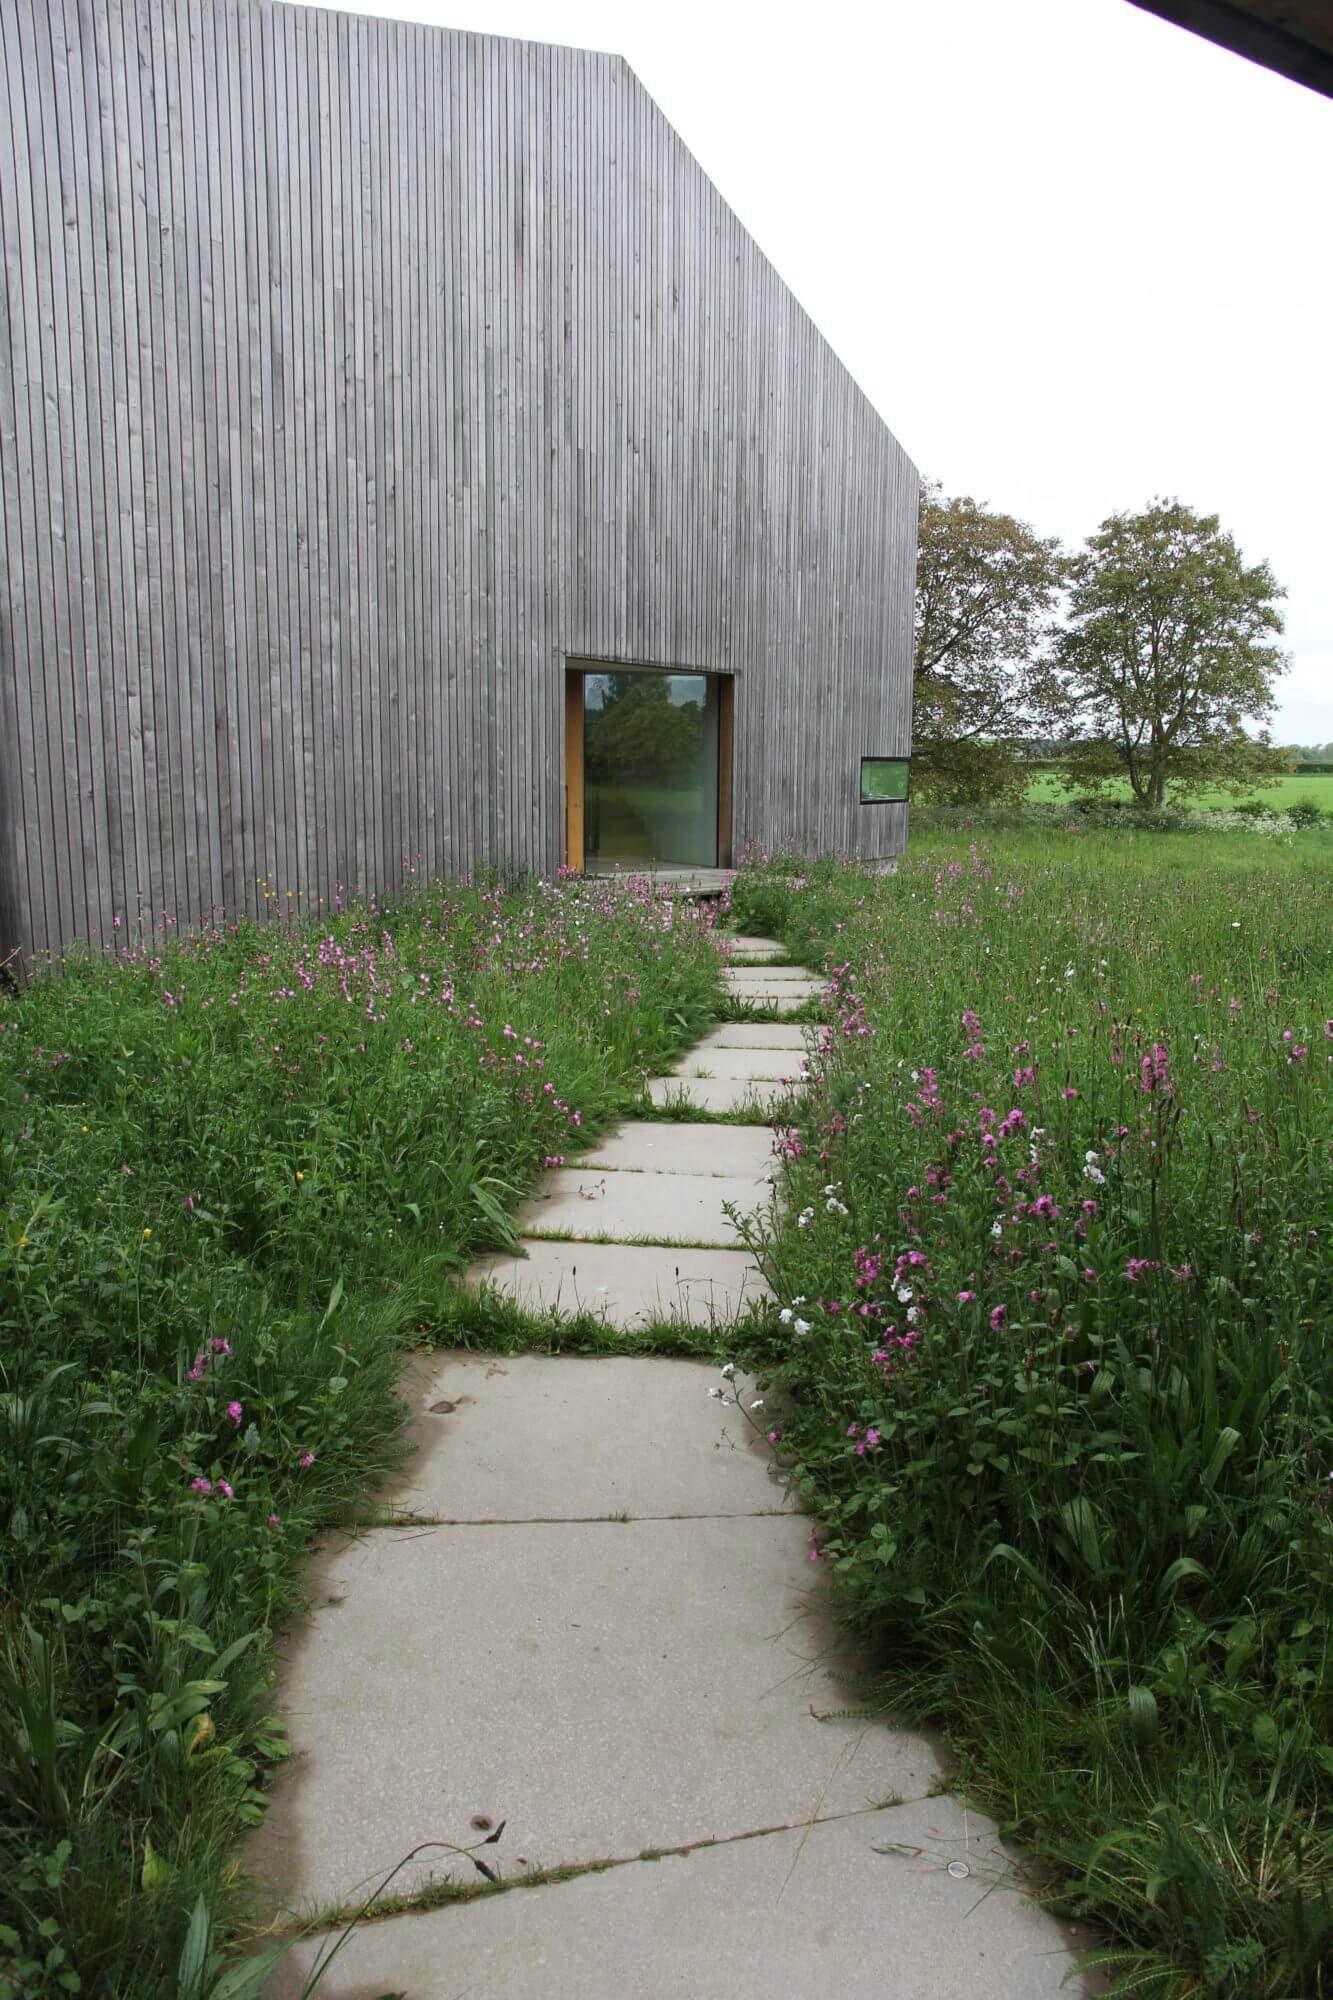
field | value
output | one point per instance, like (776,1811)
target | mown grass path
(585,1640)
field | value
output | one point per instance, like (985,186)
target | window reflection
(650,746)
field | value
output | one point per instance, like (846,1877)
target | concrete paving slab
(601,1204)
(629,1285)
(527,1437)
(718,1094)
(789,1001)
(757,947)
(650,1146)
(755,1035)
(799,1914)
(678,880)
(771,975)
(752,1065)
(601,1687)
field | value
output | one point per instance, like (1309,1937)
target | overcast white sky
(1075,256)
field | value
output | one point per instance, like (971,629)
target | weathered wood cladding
(353,375)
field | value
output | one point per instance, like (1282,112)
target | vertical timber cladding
(353,376)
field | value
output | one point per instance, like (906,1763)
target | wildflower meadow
(240,1171)
(1055,1299)
(1048,1352)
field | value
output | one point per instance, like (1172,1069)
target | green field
(1293,786)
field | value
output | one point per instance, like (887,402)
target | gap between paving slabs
(597,1623)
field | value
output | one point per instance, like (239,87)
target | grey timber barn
(409,463)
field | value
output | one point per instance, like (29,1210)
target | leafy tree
(1166,653)
(640,736)
(985,587)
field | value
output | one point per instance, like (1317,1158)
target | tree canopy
(986,586)
(1167,652)
(640,736)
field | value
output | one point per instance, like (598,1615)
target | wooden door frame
(726,733)
(574,774)
(574,770)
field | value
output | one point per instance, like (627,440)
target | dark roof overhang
(1294,37)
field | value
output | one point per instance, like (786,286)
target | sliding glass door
(650,769)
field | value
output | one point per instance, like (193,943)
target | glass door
(650,769)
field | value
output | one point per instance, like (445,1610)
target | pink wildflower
(236,1413)
(307,1458)
(997,1319)
(201,1486)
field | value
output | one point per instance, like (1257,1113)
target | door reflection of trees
(650,768)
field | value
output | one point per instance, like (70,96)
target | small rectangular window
(884,780)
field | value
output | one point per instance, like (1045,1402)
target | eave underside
(1293,37)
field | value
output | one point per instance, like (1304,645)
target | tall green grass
(239,1170)
(1057,1293)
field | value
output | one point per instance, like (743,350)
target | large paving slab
(528,1437)
(772,975)
(604,1204)
(653,1146)
(721,1093)
(791,1000)
(755,1065)
(627,1284)
(756,951)
(800,1914)
(601,1687)
(755,1035)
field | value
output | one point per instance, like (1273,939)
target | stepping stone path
(592,1616)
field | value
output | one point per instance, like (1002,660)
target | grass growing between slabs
(240,1169)
(1057,1297)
